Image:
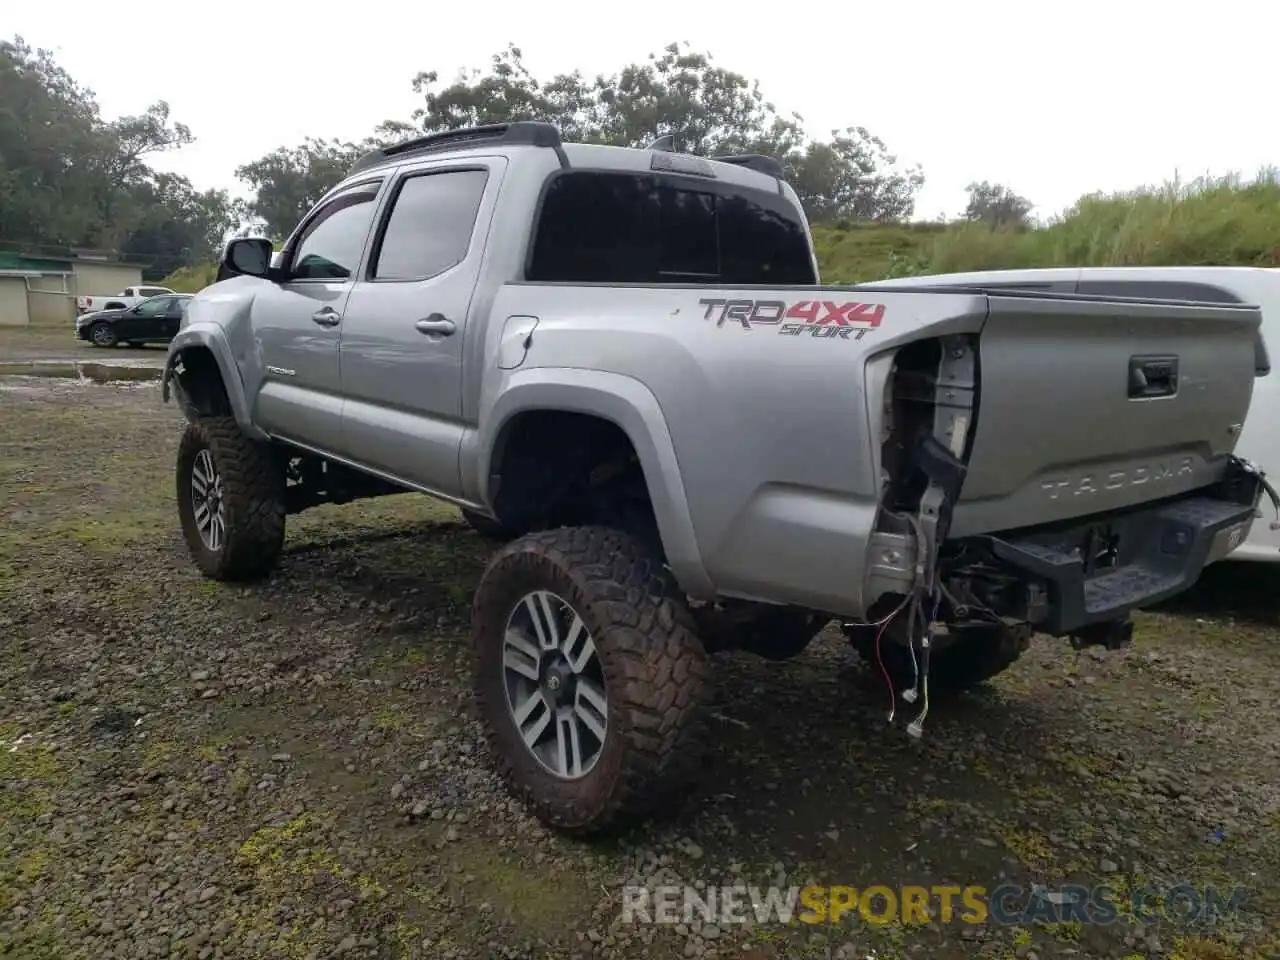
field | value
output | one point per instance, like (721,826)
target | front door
(404,326)
(298,322)
(144,321)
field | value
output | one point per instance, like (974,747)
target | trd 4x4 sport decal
(822,319)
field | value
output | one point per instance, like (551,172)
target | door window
(154,308)
(330,244)
(430,225)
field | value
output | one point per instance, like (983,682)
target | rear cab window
(607,227)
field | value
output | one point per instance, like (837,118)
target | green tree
(997,206)
(289,181)
(679,92)
(180,225)
(706,108)
(70,178)
(853,177)
(48,124)
(129,184)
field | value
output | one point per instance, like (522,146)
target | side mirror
(246,256)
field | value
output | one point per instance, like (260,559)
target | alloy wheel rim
(555,686)
(207,502)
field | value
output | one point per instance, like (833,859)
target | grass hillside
(1225,221)
(1221,222)
(191,279)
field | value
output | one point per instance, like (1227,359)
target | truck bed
(782,410)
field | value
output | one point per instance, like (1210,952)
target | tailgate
(1089,405)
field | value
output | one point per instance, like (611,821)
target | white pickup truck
(129,297)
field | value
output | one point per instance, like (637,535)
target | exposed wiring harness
(882,625)
(918,626)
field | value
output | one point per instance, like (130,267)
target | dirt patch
(291,769)
(57,343)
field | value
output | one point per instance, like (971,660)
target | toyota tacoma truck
(621,363)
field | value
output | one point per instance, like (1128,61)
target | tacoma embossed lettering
(1086,485)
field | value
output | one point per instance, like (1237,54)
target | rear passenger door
(406,322)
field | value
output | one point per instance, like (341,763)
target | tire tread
(253,493)
(664,673)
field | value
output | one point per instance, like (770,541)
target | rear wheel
(103,335)
(589,678)
(967,656)
(230,500)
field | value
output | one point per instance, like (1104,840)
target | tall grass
(1211,221)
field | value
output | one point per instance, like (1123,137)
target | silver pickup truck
(620,362)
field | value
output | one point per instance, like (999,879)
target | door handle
(1151,377)
(438,325)
(327,317)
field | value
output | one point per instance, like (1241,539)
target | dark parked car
(155,320)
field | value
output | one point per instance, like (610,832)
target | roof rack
(531,132)
(757,162)
(752,161)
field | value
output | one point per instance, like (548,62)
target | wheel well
(200,389)
(560,468)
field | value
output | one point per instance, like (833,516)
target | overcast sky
(1055,99)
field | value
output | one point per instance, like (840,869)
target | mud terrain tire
(250,497)
(650,664)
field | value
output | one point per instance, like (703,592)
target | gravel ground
(292,770)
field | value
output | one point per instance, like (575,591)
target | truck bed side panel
(770,427)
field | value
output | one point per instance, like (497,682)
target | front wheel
(230,500)
(589,677)
(102,335)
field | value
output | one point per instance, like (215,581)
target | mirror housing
(246,256)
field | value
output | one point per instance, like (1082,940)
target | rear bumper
(1140,556)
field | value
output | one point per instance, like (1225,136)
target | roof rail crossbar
(756,162)
(531,132)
